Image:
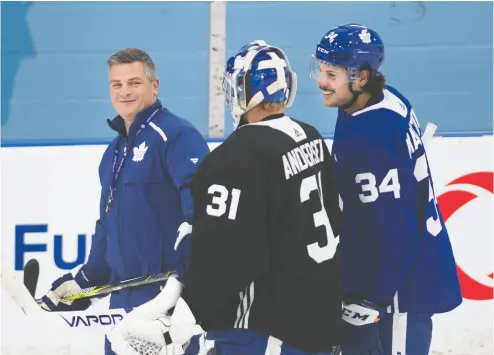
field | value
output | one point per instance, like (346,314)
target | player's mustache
(325,88)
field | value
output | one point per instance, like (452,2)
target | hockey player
(264,275)
(145,175)
(397,262)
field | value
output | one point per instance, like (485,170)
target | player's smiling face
(333,82)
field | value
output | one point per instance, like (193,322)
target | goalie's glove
(360,331)
(144,337)
(150,326)
(53,300)
(182,325)
(361,312)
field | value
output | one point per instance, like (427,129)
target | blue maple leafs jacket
(136,236)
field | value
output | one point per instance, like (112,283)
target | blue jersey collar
(118,124)
(372,101)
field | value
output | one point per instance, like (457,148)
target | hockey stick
(429,131)
(96,291)
(31,274)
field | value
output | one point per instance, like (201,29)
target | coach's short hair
(132,55)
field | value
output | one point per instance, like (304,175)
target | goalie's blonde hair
(272,106)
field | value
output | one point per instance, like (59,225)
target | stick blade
(428,134)
(31,274)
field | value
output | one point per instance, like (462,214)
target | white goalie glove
(149,329)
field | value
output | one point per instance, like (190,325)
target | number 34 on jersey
(371,191)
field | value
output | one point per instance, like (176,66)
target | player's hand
(361,312)
(158,306)
(147,337)
(183,231)
(151,316)
(141,336)
(165,334)
(361,340)
(360,330)
(183,324)
(53,300)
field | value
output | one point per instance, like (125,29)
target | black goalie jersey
(264,245)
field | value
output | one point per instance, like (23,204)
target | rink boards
(50,204)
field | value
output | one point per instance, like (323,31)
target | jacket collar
(118,124)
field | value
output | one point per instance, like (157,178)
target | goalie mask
(257,73)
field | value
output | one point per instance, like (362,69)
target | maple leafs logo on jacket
(139,152)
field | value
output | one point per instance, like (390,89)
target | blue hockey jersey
(136,236)
(395,249)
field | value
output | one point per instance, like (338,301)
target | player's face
(130,89)
(333,82)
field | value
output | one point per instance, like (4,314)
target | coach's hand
(53,300)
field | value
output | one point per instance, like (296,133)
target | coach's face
(131,90)
(333,83)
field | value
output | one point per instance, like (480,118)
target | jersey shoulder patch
(390,102)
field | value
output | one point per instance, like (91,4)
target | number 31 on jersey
(219,207)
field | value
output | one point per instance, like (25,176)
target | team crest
(331,36)
(365,36)
(139,152)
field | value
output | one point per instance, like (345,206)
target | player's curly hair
(376,83)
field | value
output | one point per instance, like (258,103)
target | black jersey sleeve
(229,242)
(332,199)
